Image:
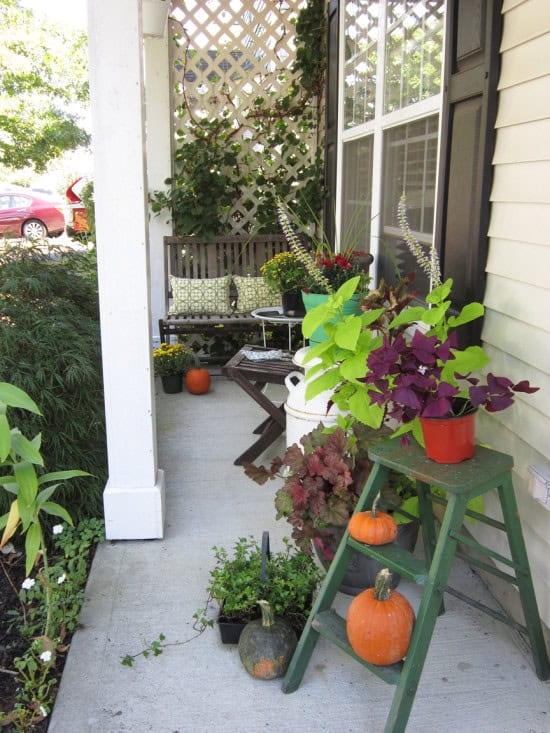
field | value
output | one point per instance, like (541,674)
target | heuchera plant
(323,482)
(319,488)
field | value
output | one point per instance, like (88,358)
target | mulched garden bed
(12,574)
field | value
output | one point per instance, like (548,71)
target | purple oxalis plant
(412,380)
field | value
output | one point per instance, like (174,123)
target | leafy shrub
(49,330)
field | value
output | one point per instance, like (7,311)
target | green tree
(43,85)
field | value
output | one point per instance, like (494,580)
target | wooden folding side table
(252,376)
(488,470)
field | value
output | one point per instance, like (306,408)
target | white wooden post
(159,157)
(134,495)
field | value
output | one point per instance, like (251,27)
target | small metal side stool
(488,470)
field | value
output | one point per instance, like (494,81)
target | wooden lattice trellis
(227,54)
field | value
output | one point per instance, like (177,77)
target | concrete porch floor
(478,675)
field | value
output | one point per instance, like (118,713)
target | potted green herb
(235,583)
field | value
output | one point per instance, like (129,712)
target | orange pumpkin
(198,381)
(373,527)
(380,623)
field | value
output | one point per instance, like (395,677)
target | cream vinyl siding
(516,329)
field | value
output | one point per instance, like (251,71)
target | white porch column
(134,495)
(159,160)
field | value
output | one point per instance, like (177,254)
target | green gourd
(266,645)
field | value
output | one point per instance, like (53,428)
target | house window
(357,186)
(413,52)
(389,123)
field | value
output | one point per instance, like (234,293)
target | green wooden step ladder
(462,482)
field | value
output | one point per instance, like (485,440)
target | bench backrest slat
(194,257)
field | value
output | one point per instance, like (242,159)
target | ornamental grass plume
(300,251)
(431,264)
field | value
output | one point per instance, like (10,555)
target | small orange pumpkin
(198,381)
(373,527)
(380,623)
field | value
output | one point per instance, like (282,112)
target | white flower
(57,528)
(43,711)
(46,657)
(422,369)
(61,579)
(28,583)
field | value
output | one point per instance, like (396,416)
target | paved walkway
(477,675)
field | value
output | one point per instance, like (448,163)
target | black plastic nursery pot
(362,570)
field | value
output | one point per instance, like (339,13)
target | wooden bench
(197,259)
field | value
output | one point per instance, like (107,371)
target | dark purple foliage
(406,377)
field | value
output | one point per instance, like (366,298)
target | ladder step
(409,566)
(333,628)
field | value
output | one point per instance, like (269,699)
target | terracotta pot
(449,440)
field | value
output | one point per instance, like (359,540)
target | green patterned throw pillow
(252,293)
(196,296)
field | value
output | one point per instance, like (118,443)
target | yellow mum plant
(284,272)
(172,359)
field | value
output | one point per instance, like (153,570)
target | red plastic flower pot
(449,439)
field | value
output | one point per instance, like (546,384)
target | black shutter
(473,35)
(331,121)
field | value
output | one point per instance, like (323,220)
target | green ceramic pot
(311,300)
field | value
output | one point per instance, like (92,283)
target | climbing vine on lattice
(248,107)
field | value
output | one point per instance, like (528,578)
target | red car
(77,216)
(24,214)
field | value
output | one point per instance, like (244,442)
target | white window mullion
(340,125)
(377,161)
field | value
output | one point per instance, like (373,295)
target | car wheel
(34,229)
